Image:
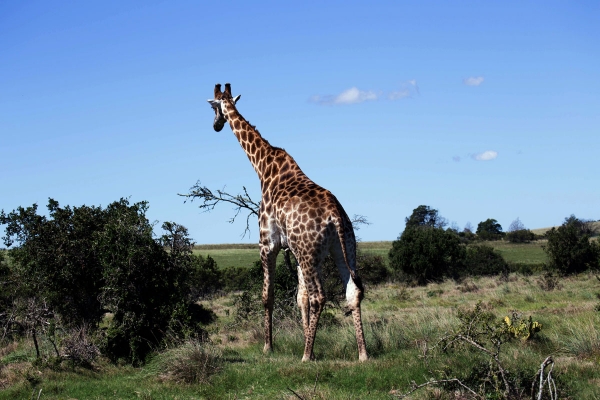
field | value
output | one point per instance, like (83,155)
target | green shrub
(527,268)
(518,233)
(520,236)
(483,260)
(569,247)
(372,268)
(205,276)
(427,254)
(249,303)
(235,278)
(482,337)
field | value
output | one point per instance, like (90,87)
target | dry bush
(468,287)
(14,373)
(78,348)
(193,362)
(9,348)
(549,282)
(403,293)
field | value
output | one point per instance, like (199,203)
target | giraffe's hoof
(363,357)
(267,349)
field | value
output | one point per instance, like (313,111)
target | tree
(517,233)
(468,228)
(79,263)
(427,254)
(489,229)
(569,248)
(145,287)
(55,260)
(425,216)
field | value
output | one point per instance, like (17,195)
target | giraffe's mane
(275,149)
(257,131)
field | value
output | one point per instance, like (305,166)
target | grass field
(400,324)
(525,253)
(398,320)
(240,255)
(245,255)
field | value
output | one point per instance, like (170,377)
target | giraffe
(296,214)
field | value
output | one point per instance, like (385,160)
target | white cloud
(407,89)
(353,96)
(349,96)
(486,155)
(473,81)
(400,94)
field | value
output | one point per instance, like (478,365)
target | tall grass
(192,362)
(401,323)
(580,337)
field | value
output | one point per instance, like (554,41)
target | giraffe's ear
(214,103)
(236,98)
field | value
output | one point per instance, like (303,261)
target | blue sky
(477,109)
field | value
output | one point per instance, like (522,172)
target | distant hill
(541,231)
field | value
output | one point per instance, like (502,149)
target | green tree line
(426,252)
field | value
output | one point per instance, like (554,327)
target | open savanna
(244,255)
(400,324)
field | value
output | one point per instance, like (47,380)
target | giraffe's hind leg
(354,296)
(313,301)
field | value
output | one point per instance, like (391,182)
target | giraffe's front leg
(268,256)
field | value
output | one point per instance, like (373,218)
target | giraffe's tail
(345,233)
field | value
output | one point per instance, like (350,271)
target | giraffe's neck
(259,151)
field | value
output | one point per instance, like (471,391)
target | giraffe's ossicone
(296,214)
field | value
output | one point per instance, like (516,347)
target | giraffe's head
(221,100)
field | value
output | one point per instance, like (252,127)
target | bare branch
(296,394)
(495,357)
(549,361)
(242,202)
(358,220)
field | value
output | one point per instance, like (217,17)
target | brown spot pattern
(298,214)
